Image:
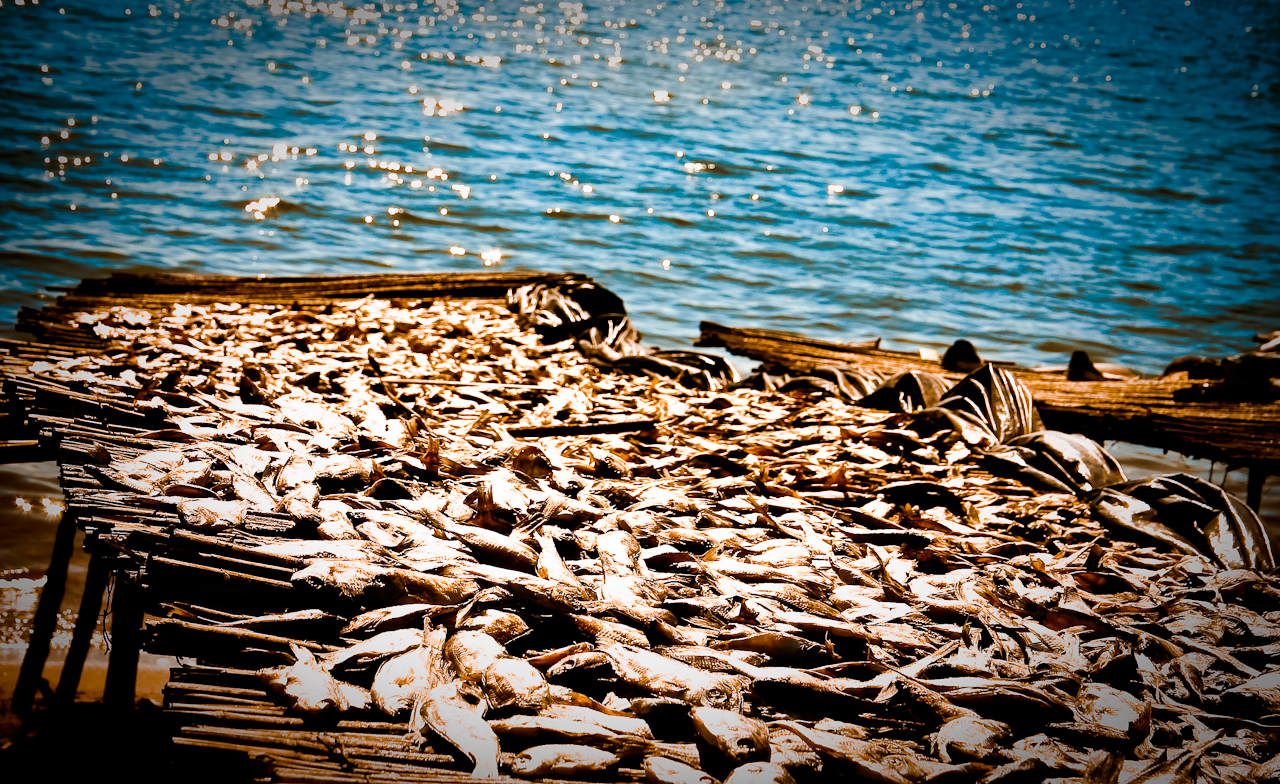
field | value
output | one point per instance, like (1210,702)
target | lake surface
(1037,177)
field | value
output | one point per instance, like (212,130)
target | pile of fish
(764,585)
(1252,376)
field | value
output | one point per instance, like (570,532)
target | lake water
(1036,176)
(1110,186)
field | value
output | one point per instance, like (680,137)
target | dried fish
(550,729)
(516,684)
(472,653)
(551,567)
(448,712)
(562,761)
(969,737)
(407,674)
(623,724)
(667,677)
(762,581)
(854,755)
(501,626)
(759,773)
(606,632)
(310,687)
(660,770)
(212,515)
(738,739)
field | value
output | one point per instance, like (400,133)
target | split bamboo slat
(51,324)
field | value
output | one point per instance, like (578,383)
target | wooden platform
(1164,414)
(177,590)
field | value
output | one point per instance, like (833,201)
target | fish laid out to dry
(753,584)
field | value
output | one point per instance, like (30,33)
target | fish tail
(486,767)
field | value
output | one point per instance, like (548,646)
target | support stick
(1253,497)
(94,584)
(126,642)
(46,618)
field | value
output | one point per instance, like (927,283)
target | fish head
(523,764)
(515,683)
(472,695)
(724,693)
(739,738)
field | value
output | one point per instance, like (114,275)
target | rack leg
(46,619)
(126,642)
(82,638)
(1253,496)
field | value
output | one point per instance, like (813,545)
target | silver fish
(669,678)
(471,653)
(515,683)
(447,712)
(562,761)
(759,773)
(661,770)
(740,739)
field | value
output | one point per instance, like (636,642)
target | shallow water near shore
(1037,177)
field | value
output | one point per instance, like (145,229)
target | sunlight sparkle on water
(1068,136)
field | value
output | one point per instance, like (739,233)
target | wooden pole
(126,642)
(1253,496)
(82,637)
(46,619)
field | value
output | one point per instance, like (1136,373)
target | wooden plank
(50,324)
(165,629)
(191,288)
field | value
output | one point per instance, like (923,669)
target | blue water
(1096,175)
